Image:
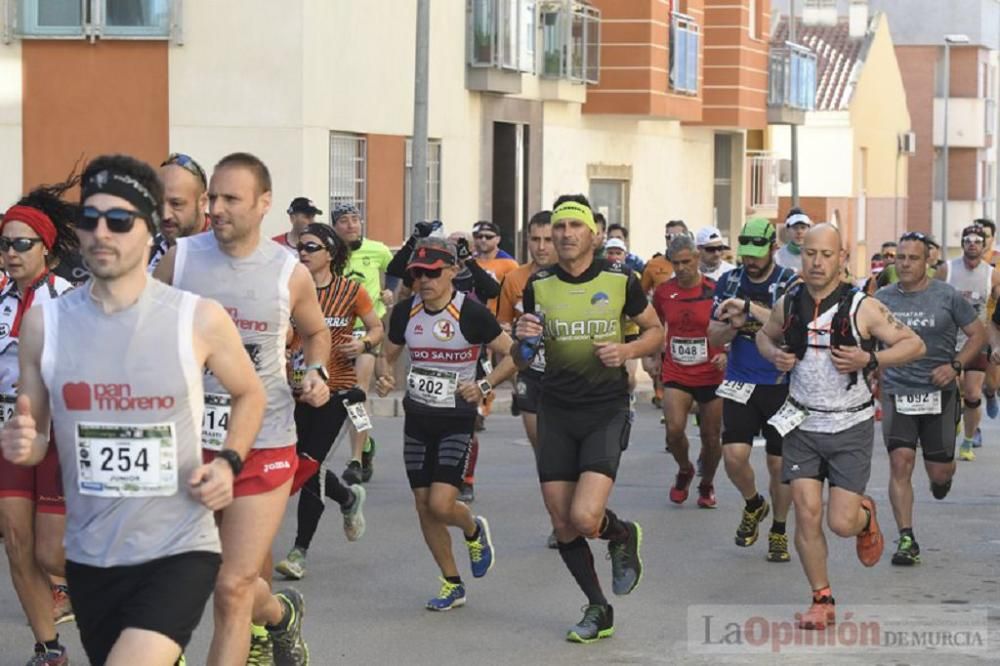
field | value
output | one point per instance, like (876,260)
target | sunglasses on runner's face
(713,248)
(484,236)
(309,247)
(187,163)
(20,245)
(754,240)
(973,240)
(430,273)
(119,220)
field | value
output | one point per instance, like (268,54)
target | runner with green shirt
(583,413)
(920,400)
(367,263)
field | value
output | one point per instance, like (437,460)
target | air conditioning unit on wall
(907,143)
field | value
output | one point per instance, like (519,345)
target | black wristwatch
(234,460)
(872,363)
(321,370)
(746,306)
(956,365)
(368,345)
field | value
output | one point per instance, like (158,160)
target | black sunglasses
(119,220)
(20,245)
(754,240)
(309,247)
(187,163)
(713,248)
(484,236)
(431,273)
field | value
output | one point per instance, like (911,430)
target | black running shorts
(436,448)
(741,423)
(575,440)
(701,394)
(936,432)
(529,391)
(167,595)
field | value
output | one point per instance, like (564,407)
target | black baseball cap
(303,205)
(484,225)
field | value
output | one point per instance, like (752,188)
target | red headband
(35,219)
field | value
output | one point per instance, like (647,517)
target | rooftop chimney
(858,18)
(819,12)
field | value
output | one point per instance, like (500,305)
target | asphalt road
(365,599)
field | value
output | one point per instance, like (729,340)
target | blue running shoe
(977,439)
(992,407)
(452,595)
(481,549)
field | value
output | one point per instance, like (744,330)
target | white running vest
(254,291)
(10,298)
(815,382)
(126,398)
(975,287)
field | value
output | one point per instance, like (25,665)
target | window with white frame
(432,210)
(150,19)
(348,171)
(685,38)
(501,34)
(571,36)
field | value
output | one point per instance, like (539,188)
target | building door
(510,173)
(723,190)
(610,197)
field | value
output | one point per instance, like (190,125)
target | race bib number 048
(434,388)
(116,460)
(689,351)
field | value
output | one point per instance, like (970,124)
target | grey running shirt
(127,420)
(784,258)
(974,286)
(254,291)
(935,314)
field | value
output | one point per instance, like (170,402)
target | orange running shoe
(821,613)
(870,542)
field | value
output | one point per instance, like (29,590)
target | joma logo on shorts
(281,464)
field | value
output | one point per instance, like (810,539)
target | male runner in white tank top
(261,286)
(142,548)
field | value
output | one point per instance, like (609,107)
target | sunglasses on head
(431,273)
(917,236)
(119,220)
(484,236)
(20,245)
(187,163)
(309,247)
(754,240)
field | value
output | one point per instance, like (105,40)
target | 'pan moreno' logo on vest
(81,396)
(246,324)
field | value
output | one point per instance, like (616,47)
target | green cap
(756,229)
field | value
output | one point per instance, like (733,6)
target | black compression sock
(580,562)
(454,580)
(754,502)
(337,491)
(777,528)
(475,535)
(907,531)
(613,528)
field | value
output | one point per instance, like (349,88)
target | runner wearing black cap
(301,213)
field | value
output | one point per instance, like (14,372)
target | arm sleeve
(635,297)
(528,297)
(478,324)
(484,284)
(720,295)
(397,265)
(398,320)
(385,258)
(505,304)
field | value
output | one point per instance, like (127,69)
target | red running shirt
(685,314)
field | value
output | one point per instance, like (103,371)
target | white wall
(671,167)
(826,164)
(12,172)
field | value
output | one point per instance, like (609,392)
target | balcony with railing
(571,44)
(500,44)
(791,84)
(763,172)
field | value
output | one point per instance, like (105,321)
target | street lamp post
(949,41)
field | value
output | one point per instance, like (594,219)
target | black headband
(325,233)
(126,187)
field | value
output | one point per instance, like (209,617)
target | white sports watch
(485,387)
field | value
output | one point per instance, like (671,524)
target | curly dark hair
(48,199)
(339,252)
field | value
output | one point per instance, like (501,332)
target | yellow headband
(571,210)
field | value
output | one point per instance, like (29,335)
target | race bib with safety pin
(434,388)
(919,403)
(115,460)
(788,418)
(215,422)
(358,415)
(736,391)
(689,351)
(7,402)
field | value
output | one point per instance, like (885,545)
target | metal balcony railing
(571,40)
(763,169)
(792,77)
